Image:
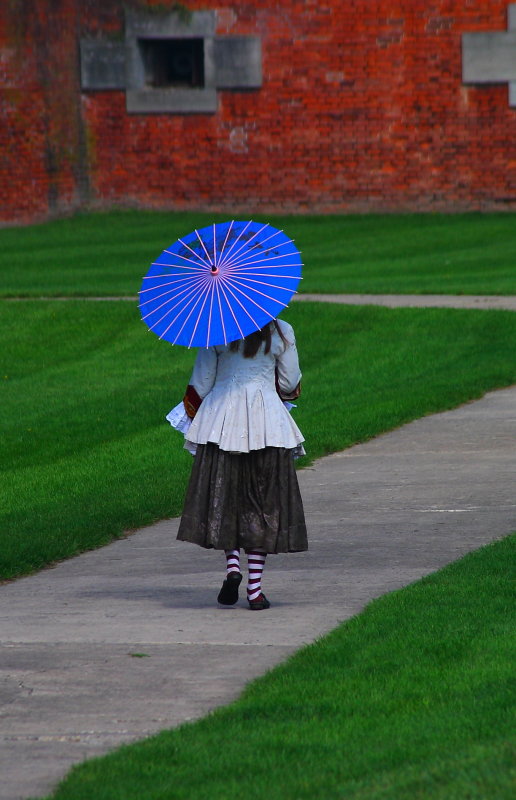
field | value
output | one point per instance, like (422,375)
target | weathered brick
(362,108)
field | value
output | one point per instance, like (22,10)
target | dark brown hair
(252,341)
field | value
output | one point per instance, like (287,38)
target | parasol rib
(207,294)
(232,313)
(260,254)
(186,294)
(247,276)
(268,297)
(265,265)
(247,281)
(197,255)
(179,279)
(214,247)
(255,323)
(246,242)
(194,306)
(181,295)
(226,239)
(220,312)
(238,238)
(204,248)
(209,319)
(200,263)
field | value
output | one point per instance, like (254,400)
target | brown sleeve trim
(191,401)
(289,396)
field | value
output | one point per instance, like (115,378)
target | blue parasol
(220,283)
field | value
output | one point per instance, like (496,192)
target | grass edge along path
(409,700)
(87,454)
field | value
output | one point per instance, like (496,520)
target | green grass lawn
(407,701)
(86,452)
(413,699)
(108,253)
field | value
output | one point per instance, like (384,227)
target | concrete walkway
(415,300)
(124,641)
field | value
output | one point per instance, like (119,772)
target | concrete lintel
(511,25)
(209,63)
(511,16)
(238,62)
(143,24)
(102,64)
(171,101)
(489,57)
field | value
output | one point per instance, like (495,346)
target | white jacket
(241,409)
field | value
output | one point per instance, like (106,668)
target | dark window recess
(173,62)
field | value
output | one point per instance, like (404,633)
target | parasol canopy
(220,283)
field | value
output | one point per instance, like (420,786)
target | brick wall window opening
(173,62)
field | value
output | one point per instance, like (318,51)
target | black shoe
(228,595)
(259,604)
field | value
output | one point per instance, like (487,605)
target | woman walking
(243,492)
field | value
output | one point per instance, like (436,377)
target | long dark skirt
(248,500)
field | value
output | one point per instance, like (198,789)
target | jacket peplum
(241,409)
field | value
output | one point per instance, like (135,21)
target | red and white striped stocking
(232,560)
(256,563)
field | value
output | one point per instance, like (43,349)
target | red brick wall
(362,108)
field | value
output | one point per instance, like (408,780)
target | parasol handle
(214,270)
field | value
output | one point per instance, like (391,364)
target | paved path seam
(501,302)
(478,302)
